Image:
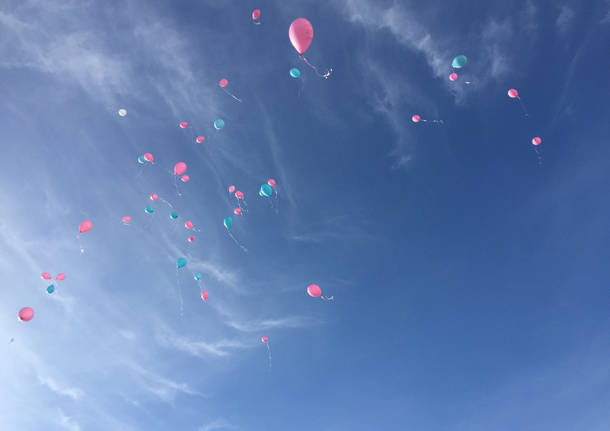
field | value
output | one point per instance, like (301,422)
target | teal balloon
(173,215)
(197,276)
(295,73)
(50,289)
(459,62)
(141,160)
(266,190)
(228,222)
(149,210)
(181,263)
(219,124)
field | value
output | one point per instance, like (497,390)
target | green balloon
(266,190)
(50,289)
(459,62)
(295,73)
(181,263)
(219,124)
(149,210)
(173,215)
(228,222)
(141,160)
(197,276)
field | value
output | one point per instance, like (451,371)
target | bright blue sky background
(470,283)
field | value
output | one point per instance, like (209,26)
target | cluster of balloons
(47,277)
(146,158)
(300,33)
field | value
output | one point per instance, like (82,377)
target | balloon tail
(237,242)
(538,155)
(268,353)
(179,292)
(328,298)
(166,202)
(321,75)
(176,186)
(80,244)
(523,108)
(232,95)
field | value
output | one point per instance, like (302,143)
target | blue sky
(470,282)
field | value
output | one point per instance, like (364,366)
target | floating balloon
(46,276)
(228,222)
(185,178)
(231,189)
(513,93)
(295,73)
(197,276)
(173,215)
(179,168)
(271,182)
(149,157)
(141,160)
(200,139)
(183,124)
(181,262)
(122,112)
(126,219)
(219,124)
(256,14)
(314,290)
(266,190)
(223,82)
(60,277)
(149,210)
(189,224)
(204,295)
(416,118)
(239,195)
(459,62)
(191,238)
(154,197)
(50,289)
(536,141)
(453,77)
(85,226)
(26,314)
(264,339)
(301,35)
(237,211)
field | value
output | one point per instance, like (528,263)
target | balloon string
(176,186)
(434,121)
(237,242)
(181,300)
(80,245)
(269,353)
(523,107)
(328,298)
(232,95)
(325,75)
(166,202)
(539,156)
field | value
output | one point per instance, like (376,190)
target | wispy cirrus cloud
(196,348)
(70,392)
(218,424)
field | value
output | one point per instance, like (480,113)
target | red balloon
(536,141)
(179,168)
(200,139)
(239,195)
(184,124)
(237,211)
(271,182)
(223,82)
(453,77)
(256,14)
(314,290)
(264,339)
(45,276)
(301,34)
(189,224)
(231,189)
(416,118)
(149,157)
(154,197)
(85,226)
(60,277)
(513,93)
(26,314)
(204,295)
(126,219)
(191,238)
(185,178)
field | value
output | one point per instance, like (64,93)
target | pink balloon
(185,178)
(239,195)
(189,224)
(26,314)
(154,197)
(179,168)
(314,290)
(513,93)
(191,238)
(45,276)
(223,82)
(204,295)
(271,182)
(301,34)
(264,339)
(536,141)
(256,14)
(416,118)
(149,157)
(60,277)
(126,219)
(85,226)
(237,211)
(200,139)
(453,77)
(231,189)
(183,124)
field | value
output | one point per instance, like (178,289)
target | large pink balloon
(237,211)
(536,141)
(85,226)
(204,295)
(149,157)
(314,290)
(179,168)
(513,93)
(271,182)
(200,139)
(416,118)
(183,124)
(154,197)
(301,34)
(126,219)
(231,189)
(60,277)
(453,77)
(26,314)
(256,14)
(223,82)
(185,178)
(45,276)
(189,224)
(264,339)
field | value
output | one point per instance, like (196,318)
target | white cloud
(258,325)
(68,422)
(74,393)
(198,348)
(218,424)
(564,19)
